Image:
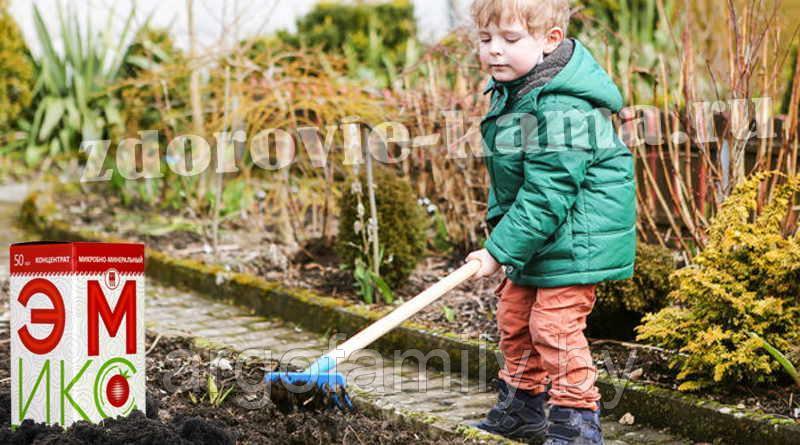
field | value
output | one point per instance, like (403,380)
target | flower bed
(179,411)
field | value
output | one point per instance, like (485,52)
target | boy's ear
(553,38)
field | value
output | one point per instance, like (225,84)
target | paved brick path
(172,311)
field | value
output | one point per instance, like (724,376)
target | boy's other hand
(488,264)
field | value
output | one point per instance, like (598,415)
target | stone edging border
(684,414)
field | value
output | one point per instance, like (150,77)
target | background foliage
(16,72)
(373,36)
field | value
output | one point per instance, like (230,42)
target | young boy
(561,212)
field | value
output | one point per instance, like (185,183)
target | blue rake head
(332,384)
(317,376)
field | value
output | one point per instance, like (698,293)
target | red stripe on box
(99,257)
(41,258)
(79,257)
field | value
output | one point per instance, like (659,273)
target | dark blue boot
(572,426)
(517,415)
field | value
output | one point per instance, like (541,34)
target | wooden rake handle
(405,311)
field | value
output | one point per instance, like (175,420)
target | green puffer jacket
(562,200)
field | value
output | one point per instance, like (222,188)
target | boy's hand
(488,263)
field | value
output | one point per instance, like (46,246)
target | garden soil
(178,410)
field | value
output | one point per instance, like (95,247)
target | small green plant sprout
(449,313)
(214,394)
(368,281)
(780,357)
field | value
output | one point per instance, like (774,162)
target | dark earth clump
(135,428)
(179,410)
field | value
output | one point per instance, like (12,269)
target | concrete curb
(684,414)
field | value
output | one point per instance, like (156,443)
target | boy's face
(509,51)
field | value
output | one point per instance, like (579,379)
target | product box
(77,331)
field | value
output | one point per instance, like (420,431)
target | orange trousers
(541,337)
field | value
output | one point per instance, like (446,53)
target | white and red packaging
(77,331)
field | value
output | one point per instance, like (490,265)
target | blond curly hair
(538,15)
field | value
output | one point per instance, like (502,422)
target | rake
(322,373)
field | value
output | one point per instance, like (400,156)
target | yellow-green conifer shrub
(747,279)
(16,71)
(401,226)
